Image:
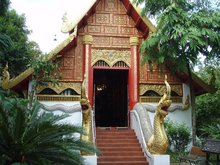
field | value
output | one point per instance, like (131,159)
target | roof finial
(67,25)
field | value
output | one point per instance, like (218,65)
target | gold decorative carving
(160,89)
(61,87)
(57,98)
(111,56)
(134,40)
(87,39)
(156,99)
(178,89)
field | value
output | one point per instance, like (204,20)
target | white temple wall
(74,118)
(180,116)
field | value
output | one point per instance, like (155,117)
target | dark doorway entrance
(111,98)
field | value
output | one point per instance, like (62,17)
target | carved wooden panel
(117,41)
(94,29)
(111,29)
(101,41)
(102,18)
(143,74)
(68,62)
(67,74)
(156,76)
(71,63)
(111,5)
(120,19)
(127,30)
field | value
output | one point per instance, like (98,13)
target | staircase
(119,147)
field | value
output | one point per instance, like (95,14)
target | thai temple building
(100,62)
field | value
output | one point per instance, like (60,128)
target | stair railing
(137,125)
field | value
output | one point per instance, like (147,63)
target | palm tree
(30,136)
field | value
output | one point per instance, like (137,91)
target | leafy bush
(178,135)
(211,131)
(30,136)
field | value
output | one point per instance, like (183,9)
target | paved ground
(180,164)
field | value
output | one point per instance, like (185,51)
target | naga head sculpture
(85,104)
(165,101)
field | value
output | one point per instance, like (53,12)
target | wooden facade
(108,38)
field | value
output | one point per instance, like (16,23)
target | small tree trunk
(192,93)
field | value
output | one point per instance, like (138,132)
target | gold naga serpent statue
(158,142)
(86,117)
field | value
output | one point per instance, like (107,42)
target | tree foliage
(208,104)
(15,48)
(4,5)
(30,136)
(44,71)
(5,40)
(185,29)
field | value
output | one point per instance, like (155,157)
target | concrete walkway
(180,164)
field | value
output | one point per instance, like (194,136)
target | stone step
(119,147)
(122,153)
(123,163)
(131,144)
(110,141)
(109,148)
(122,158)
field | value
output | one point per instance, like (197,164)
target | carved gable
(110,26)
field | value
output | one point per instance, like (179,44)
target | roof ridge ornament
(5,77)
(67,25)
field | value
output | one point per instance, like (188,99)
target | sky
(44,18)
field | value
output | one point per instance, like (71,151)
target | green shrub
(210,131)
(178,135)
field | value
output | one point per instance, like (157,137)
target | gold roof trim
(14,81)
